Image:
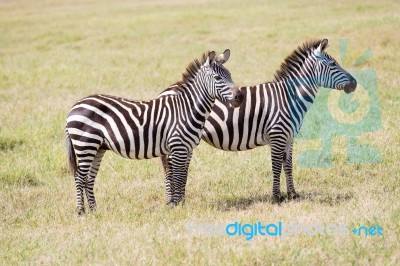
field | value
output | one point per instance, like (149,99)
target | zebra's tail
(71,155)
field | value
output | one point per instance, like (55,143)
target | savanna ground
(53,53)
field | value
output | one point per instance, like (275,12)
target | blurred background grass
(54,52)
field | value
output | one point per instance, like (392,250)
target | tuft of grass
(9,144)
(19,179)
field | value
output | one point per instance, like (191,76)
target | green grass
(54,52)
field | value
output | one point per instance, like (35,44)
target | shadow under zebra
(317,197)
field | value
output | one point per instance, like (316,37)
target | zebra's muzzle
(237,97)
(351,85)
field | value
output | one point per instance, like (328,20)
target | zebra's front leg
(188,159)
(288,168)
(170,188)
(186,173)
(179,163)
(169,184)
(277,152)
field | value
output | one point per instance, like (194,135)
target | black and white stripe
(272,113)
(170,125)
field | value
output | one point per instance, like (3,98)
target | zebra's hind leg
(92,177)
(277,152)
(85,160)
(79,183)
(179,163)
(81,176)
(288,168)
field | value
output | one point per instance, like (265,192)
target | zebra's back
(133,129)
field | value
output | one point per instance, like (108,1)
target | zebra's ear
(322,46)
(222,58)
(211,57)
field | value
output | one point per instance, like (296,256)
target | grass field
(53,53)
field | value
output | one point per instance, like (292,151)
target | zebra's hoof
(172,204)
(277,199)
(180,202)
(80,211)
(175,203)
(92,209)
(293,196)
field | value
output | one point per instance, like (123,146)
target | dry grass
(55,52)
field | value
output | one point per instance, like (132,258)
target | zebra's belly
(138,147)
(223,141)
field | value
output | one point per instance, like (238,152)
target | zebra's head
(220,84)
(329,73)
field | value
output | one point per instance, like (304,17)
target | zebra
(170,125)
(273,112)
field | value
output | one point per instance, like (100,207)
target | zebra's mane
(296,57)
(192,69)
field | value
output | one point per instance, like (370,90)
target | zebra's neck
(195,98)
(300,94)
